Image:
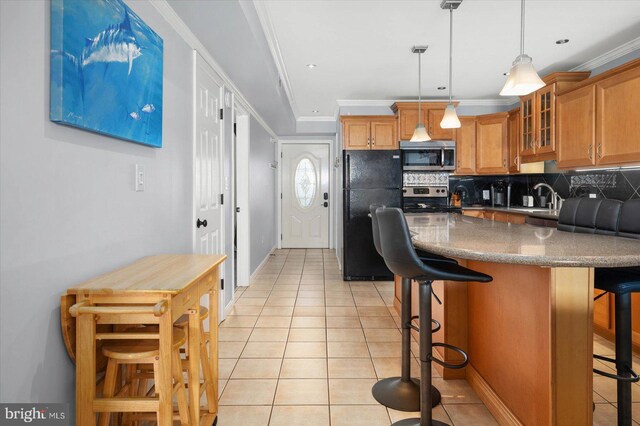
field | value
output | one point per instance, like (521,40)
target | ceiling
(362,48)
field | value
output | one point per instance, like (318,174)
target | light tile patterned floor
(303,347)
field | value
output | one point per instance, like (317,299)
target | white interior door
(305,195)
(208,155)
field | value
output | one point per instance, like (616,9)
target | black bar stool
(401,258)
(611,217)
(403,393)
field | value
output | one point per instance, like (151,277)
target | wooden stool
(208,385)
(144,351)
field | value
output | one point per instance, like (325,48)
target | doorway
(305,197)
(208,155)
(242,234)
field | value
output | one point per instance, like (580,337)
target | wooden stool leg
(130,381)
(156,373)
(109,389)
(206,371)
(181,396)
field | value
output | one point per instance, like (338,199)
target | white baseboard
(339,264)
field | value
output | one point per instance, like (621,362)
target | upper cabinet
(618,118)
(513,137)
(369,132)
(538,117)
(466,146)
(492,143)
(598,120)
(432,113)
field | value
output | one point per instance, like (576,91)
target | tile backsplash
(616,184)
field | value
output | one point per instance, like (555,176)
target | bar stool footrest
(416,328)
(449,365)
(634,376)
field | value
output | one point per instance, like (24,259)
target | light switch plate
(139,178)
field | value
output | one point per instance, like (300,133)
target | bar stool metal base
(399,395)
(416,422)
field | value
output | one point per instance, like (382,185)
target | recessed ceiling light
(315,110)
(562,41)
(311,66)
(441,87)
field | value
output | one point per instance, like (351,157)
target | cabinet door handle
(504,162)
(368,143)
(599,150)
(373,142)
(590,151)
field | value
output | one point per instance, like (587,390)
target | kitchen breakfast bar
(529,332)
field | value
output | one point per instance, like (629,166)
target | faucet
(556,199)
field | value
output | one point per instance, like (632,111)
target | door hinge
(222,284)
(281,236)
(221,113)
(281,195)
(281,154)
(221,199)
(235,129)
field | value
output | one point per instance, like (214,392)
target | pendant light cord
(450,51)
(419,86)
(522,27)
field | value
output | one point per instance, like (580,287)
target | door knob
(200,223)
(326,204)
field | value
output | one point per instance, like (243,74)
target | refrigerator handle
(347,175)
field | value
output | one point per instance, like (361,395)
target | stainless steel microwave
(428,156)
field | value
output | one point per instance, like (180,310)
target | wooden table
(153,290)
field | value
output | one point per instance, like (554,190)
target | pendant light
(523,78)
(420,134)
(450,119)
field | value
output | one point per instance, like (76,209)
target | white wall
(262,194)
(68,209)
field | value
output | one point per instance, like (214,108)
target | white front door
(305,195)
(207,162)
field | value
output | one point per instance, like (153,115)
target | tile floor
(303,347)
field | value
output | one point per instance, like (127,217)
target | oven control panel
(425,191)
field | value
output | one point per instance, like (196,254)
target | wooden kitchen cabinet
(369,132)
(466,146)
(538,116)
(577,128)
(618,118)
(432,113)
(513,136)
(491,143)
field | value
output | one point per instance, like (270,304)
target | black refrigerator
(370,177)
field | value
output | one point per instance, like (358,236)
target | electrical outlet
(485,194)
(139,178)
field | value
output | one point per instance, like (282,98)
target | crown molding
(611,55)
(461,102)
(170,15)
(274,47)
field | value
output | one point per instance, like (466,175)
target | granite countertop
(464,237)
(527,211)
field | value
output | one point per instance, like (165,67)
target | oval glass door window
(305,183)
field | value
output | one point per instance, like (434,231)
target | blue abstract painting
(106,70)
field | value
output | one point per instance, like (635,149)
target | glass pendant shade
(420,134)
(523,78)
(450,119)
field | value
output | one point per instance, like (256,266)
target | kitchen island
(529,332)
